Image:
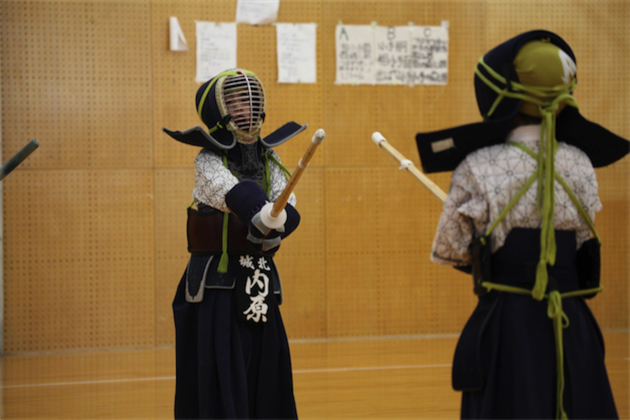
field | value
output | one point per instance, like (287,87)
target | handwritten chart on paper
(297,56)
(355,54)
(409,55)
(216,49)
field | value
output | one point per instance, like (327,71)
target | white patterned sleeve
(465,212)
(590,201)
(278,180)
(212,180)
(580,176)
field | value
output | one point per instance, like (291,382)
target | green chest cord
(548,100)
(266,185)
(554,297)
(223,262)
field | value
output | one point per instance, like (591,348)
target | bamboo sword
(408,165)
(273,214)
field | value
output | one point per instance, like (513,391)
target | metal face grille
(245,101)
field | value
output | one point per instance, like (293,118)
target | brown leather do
(205,233)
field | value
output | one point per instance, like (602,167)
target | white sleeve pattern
(464,214)
(212,180)
(485,182)
(278,180)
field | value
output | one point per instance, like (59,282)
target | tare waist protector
(205,232)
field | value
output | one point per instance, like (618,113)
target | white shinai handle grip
(273,215)
(408,165)
(270,221)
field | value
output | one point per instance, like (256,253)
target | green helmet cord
(556,96)
(554,297)
(548,100)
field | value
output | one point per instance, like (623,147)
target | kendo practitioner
(519,216)
(232,353)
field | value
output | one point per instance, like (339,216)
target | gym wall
(94,220)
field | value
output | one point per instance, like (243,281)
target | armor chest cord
(547,256)
(266,185)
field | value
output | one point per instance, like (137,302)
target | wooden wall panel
(94,227)
(78,259)
(302,261)
(78,76)
(381,281)
(172,197)
(354,112)
(174,85)
(611,307)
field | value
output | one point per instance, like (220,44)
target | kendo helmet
(532,70)
(232,106)
(500,97)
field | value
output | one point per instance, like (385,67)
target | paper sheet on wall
(216,49)
(354,47)
(429,65)
(296,49)
(177,38)
(257,12)
(409,55)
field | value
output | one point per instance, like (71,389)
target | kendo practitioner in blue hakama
(232,352)
(519,216)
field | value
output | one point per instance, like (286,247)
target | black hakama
(228,367)
(505,361)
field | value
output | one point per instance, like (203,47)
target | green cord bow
(548,101)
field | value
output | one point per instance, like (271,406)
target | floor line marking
(351,369)
(103,381)
(172,378)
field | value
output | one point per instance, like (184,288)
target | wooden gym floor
(363,378)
